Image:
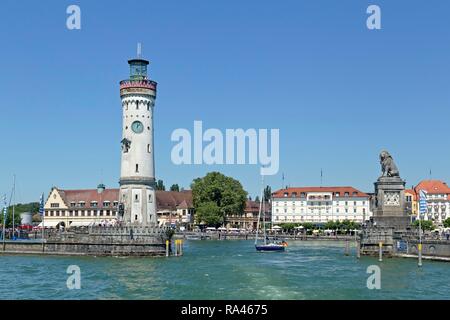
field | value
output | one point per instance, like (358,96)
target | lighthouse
(137,197)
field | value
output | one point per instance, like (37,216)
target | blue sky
(338,92)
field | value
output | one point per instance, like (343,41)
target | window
(150,199)
(137,168)
(115,203)
(54,205)
(136,198)
(337,194)
(354,210)
(355,193)
(73,204)
(354,203)
(94,204)
(81,204)
(106,204)
(346,194)
(294,194)
(148,148)
(135,217)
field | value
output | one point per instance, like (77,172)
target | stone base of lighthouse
(138,199)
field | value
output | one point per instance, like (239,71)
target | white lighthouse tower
(137,179)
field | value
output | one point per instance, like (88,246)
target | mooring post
(167,248)
(347,247)
(381,252)
(420,254)
(358,249)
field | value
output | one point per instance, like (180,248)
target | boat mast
(13,204)
(260,208)
(264,217)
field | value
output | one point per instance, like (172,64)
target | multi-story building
(249,219)
(319,205)
(78,208)
(411,202)
(438,200)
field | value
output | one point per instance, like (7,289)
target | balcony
(146,84)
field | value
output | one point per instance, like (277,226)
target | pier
(97,241)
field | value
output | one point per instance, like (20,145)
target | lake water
(225,270)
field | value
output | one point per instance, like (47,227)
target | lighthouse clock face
(137,127)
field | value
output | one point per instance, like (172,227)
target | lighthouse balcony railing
(149,84)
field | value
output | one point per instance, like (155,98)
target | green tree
(447,223)
(175,187)
(216,196)
(160,185)
(426,225)
(268,193)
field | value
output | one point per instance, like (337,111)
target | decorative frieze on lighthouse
(137,178)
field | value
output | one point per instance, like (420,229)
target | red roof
(90,195)
(253,206)
(352,192)
(433,187)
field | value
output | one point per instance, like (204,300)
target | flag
(41,205)
(422,202)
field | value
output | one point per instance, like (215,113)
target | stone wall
(127,241)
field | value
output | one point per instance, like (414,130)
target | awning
(49,224)
(80,224)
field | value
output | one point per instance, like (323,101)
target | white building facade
(438,200)
(320,205)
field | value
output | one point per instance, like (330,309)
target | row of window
(319,203)
(137,107)
(303,195)
(328,218)
(313,211)
(76,213)
(82,204)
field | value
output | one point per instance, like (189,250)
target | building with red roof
(438,199)
(319,205)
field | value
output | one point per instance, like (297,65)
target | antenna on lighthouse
(139,50)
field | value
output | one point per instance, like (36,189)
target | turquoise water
(225,270)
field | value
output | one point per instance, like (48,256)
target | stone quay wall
(404,243)
(125,241)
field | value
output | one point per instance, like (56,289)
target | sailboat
(267,245)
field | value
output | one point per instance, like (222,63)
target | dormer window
(294,194)
(346,194)
(286,194)
(81,204)
(94,204)
(337,194)
(106,203)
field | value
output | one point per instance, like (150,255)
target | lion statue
(388,167)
